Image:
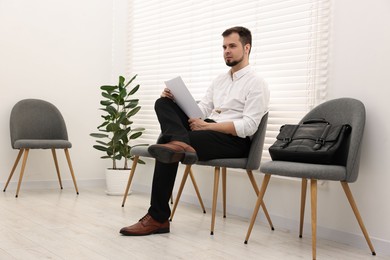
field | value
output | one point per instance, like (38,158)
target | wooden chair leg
(313,189)
(253,181)
(254,184)
(13,168)
(259,201)
(303,204)
(352,202)
(183,182)
(133,166)
(224,190)
(71,169)
(26,151)
(215,195)
(197,191)
(53,151)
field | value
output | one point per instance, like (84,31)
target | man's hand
(197,124)
(167,93)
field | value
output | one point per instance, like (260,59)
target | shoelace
(145,218)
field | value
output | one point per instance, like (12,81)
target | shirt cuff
(239,126)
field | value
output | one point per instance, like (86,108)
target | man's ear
(247,48)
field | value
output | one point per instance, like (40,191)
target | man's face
(233,51)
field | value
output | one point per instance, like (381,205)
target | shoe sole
(189,158)
(158,231)
(165,155)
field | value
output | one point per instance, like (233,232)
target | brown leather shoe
(173,151)
(146,226)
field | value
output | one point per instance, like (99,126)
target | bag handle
(316,120)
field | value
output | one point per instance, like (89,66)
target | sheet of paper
(184,98)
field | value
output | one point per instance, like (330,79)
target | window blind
(289,49)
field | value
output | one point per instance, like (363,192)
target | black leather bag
(314,141)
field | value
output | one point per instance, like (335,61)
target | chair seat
(228,163)
(41,144)
(305,170)
(141,151)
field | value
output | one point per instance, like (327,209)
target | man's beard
(234,62)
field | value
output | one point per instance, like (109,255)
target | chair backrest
(345,111)
(257,144)
(36,119)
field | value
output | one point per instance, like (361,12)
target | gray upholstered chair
(249,164)
(338,111)
(142,151)
(38,124)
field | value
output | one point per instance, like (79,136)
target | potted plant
(116,132)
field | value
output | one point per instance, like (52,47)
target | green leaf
(136,135)
(112,127)
(101,142)
(135,89)
(122,94)
(104,124)
(109,96)
(107,118)
(100,148)
(133,78)
(108,88)
(97,135)
(132,103)
(133,111)
(118,135)
(141,161)
(122,118)
(121,81)
(125,140)
(106,103)
(110,152)
(126,122)
(112,111)
(138,129)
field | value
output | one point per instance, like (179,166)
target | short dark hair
(244,33)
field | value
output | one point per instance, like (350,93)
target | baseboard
(53,184)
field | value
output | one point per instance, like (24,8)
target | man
(234,105)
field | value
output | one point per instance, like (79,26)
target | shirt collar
(238,74)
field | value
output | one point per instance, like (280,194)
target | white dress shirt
(242,98)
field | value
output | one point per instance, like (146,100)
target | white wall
(360,69)
(63,51)
(59,51)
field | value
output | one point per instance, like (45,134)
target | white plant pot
(116,181)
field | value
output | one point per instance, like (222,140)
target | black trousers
(208,145)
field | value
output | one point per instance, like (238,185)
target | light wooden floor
(55,224)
